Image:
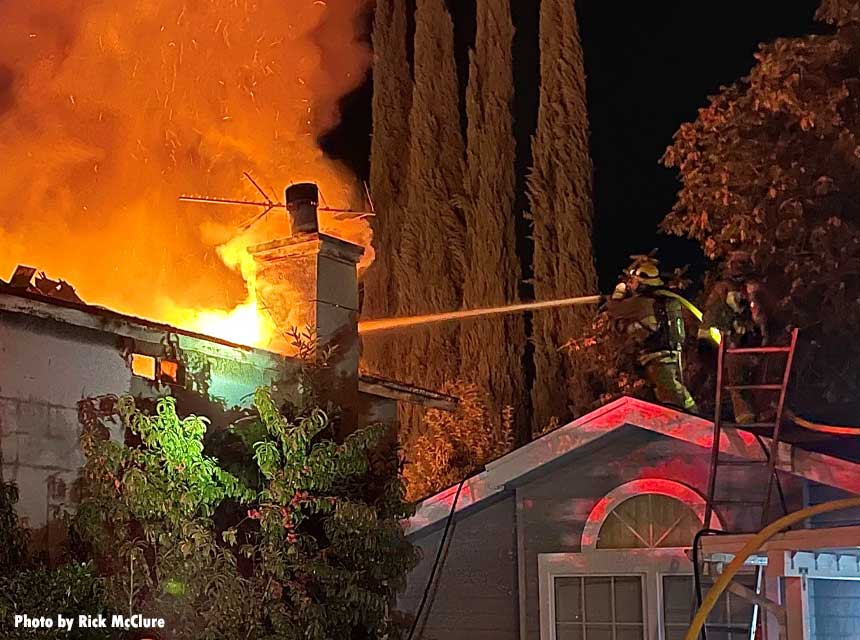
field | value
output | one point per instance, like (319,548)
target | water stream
(389,324)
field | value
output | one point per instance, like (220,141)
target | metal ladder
(770,429)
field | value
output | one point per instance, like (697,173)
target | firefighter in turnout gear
(650,314)
(736,312)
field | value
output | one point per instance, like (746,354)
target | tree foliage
(431,253)
(389,158)
(772,165)
(26,587)
(560,192)
(453,446)
(839,12)
(492,348)
(307,544)
(430,260)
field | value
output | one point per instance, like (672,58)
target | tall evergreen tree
(560,191)
(431,258)
(492,348)
(392,98)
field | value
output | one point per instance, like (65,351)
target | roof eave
(624,411)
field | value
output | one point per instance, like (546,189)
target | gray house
(585,533)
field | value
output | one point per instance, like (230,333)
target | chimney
(310,279)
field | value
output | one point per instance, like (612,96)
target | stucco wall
(47,367)
(44,371)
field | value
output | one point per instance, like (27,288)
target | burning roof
(111,110)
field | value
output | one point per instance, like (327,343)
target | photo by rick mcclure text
(126,623)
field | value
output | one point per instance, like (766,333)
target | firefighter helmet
(645,270)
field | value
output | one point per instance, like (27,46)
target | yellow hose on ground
(754,544)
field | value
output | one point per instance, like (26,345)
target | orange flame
(110,109)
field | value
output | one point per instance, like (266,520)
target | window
(161,369)
(143,366)
(731,613)
(599,608)
(171,372)
(649,521)
(632,579)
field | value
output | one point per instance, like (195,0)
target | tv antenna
(268,204)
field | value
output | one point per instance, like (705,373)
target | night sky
(650,66)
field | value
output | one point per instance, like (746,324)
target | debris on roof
(23,279)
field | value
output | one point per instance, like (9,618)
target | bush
(453,446)
(308,544)
(26,588)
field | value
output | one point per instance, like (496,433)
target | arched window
(649,521)
(650,513)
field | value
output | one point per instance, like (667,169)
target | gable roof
(499,474)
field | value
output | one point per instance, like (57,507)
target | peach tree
(304,540)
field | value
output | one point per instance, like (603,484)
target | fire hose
(755,543)
(823,428)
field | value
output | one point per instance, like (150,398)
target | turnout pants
(663,370)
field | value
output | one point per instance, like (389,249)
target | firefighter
(736,311)
(652,316)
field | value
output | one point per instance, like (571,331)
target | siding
(820,493)
(835,611)
(475,595)
(554,506)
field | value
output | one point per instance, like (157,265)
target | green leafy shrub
(308,544)
(26,588)
(13,550)
(454,445)
(71,590)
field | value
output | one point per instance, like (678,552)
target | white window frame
(648,564)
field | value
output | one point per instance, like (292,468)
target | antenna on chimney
(268,204)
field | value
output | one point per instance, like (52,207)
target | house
(57,352)
(585,534)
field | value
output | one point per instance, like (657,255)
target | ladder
(770,429)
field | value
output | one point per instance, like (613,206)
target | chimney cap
(301,200)
(302,193)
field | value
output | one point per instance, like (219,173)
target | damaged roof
(56,300)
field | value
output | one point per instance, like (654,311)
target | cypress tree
(430,262)
(392,97)
(560,184)
(492,348)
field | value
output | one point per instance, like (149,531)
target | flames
(110,109)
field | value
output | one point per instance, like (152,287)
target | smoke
(110,109)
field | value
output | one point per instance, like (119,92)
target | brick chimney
(310,279)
